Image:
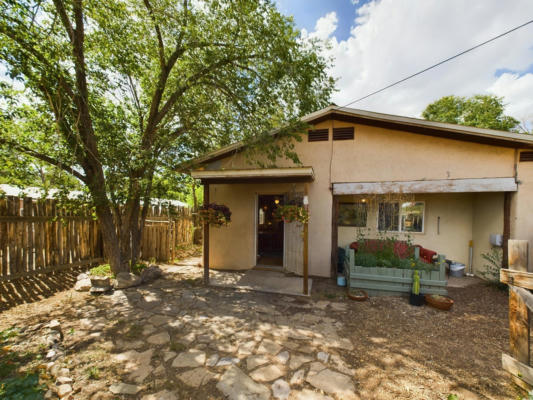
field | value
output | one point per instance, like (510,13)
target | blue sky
(307,12)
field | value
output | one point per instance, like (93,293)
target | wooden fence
(164,230)
(519,278)
(37,236)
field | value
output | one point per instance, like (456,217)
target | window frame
(423,231)
(354,202)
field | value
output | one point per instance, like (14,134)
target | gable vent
(343,133)
(318,135)
(526,156)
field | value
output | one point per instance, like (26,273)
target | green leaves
(482,111)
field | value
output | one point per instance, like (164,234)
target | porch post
(506,228)
(334,236)
(306,246)
(206,237)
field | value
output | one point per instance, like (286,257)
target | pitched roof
(399,123)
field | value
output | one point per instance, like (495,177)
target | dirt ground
(387,348)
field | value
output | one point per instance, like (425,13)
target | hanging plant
(215,214)
(292,213)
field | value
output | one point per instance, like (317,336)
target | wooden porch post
(306,248)
(206,237)
(506,228)
(334,236)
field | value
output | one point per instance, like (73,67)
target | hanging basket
(292,213)
(215,214)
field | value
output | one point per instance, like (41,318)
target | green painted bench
(381,281)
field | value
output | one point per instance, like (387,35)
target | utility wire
(438,64)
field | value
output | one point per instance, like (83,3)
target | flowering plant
(215,214)
(292,213)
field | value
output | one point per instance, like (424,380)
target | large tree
(130,86)
(482,111)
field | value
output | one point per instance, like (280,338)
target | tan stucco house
(447,186)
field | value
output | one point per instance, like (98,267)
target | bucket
(341,280)
(457,270)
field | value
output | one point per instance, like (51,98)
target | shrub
(492,267)
(101,270)
(137,268)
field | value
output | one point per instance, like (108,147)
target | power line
(439,63)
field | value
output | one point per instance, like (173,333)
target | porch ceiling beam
(428,186)
(300,174)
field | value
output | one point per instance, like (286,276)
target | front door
(269,231)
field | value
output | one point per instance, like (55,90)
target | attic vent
(343,133)
(318,135)
(526,156)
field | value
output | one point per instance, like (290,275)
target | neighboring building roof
(38,193)
(397,122)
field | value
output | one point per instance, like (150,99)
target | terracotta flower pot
(357,295)
(438,301)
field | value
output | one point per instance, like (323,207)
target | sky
(376,42)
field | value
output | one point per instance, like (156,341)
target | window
(352,214)
(412,216)
(388,216)
(343,133)
(404,217)
(318,135)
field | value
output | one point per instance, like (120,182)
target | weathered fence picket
(37,236)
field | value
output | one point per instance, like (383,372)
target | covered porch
(461,219)
(278,250)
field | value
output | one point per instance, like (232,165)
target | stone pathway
(216,342)
(175,339)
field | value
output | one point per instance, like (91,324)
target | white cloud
(324,27)
(392,39)
(518,93)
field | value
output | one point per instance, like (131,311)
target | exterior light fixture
(276,201)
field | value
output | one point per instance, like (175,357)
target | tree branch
(43,157)
(161,45)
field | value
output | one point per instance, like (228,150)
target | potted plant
(292,213)
(215,214)
(416,299)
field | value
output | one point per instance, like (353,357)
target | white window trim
(400,218)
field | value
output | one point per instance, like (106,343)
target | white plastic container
(457,270)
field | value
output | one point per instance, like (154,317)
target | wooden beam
(517,278)
(518,370)
(428,186)
(206,238)
(306,248)
(518,311)
(334,236)
(506,228)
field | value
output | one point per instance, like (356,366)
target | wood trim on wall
(206,238)
(334,235)
(506,228)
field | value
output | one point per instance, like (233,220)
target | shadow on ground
(35,288)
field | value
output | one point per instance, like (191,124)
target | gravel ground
(379,349)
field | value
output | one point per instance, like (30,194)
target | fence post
(518,311)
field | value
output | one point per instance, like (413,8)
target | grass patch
(93,373)
(14,383)
(101,270)
(138,268)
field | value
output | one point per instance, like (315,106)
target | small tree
(482,111)
(127,88)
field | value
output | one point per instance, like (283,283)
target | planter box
(381,281)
